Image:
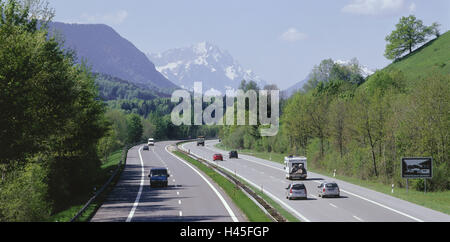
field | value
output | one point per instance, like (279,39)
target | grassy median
(278,207)
(439,201)
(242,201)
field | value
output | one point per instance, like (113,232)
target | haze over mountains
(203,62)
(109,53)
(364,71)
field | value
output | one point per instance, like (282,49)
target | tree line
(51,120)
(362,127)
(59,121)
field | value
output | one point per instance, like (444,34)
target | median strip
(242,201)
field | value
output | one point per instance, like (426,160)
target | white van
(151,142)
(295,167)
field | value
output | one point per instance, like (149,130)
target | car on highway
(233,154)
(201,140)
(151,142)
(159,177)
(217,157)
(328,189)
(146,147)
(296,190)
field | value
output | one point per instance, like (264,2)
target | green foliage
(23,195)
(329,71)
(50,113)
(363,130)
(431,57)
(112,88)
(408,34)
(135,129)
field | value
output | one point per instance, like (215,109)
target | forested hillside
(364,128)
(113,88)
(50,121)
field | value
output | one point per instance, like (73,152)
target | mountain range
(203,62)
(105,51)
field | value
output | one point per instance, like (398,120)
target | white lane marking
(358,196)
(181,213)
(138,197)
(179,201)
(384,206)
(333,205)
(225,204)
(358,218)
(178,193)
(303,218)
(379,204)
(173,180)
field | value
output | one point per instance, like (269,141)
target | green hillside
(434,55)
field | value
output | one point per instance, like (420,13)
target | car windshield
(298,186)
(332,185)
(159,173)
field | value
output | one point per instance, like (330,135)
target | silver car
(296,190)
(329,189)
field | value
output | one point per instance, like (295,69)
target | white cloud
(373,7)
(292,35)
(412,8)
(108,18)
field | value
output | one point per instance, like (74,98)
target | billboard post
(425,180)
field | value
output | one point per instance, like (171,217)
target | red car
(218,157)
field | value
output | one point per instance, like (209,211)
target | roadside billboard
(418,167)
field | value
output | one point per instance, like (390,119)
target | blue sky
(279,40)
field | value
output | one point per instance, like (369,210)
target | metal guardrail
(121,164)
(271,211)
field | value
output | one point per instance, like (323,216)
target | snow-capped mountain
(203,62)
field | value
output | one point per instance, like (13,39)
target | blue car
(158,177)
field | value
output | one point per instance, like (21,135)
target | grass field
(242,201)
(106,170)
(439,201)
(432,56)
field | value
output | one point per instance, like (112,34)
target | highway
(356,204)
(190,197)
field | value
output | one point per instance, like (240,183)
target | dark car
(145,147)
(233,154)
(201,141)
(217,157)
(158,177)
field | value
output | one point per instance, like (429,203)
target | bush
(23,197)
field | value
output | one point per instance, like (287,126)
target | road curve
(357,204)
(189,197)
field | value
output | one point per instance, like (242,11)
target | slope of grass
(432,56)
(439,201)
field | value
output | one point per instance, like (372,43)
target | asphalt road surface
(356,204)
(190,197)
